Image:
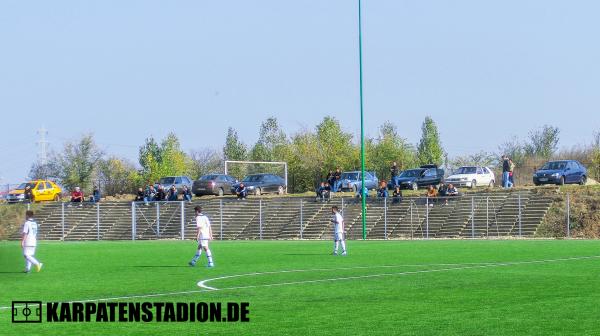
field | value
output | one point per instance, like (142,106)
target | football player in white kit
(203,235)
(29,242)
(338,230)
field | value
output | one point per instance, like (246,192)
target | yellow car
(42,190)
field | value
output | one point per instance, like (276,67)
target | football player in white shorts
(29,242)
(338,230)
(203,235)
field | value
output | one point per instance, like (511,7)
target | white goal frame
(285,167)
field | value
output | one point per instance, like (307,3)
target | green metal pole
(362,129)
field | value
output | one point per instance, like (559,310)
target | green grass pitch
(380,288)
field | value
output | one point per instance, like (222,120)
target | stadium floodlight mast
(362,129)
(285,168)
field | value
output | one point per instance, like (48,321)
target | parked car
(472,176)
(178,181)
(352,180)
(262,183)
(421,177)
(42,190)
(561,172)
(213,184)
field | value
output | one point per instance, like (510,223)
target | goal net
(239,169)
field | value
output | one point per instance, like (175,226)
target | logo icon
(27,311)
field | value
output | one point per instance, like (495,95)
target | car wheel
(221,192)
(280,190)
(562,180)
(491,185)
(583,180)
(415,186)
(473,184)
(56,198)
(537,184)
(257,192)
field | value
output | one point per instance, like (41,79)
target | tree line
(309,153)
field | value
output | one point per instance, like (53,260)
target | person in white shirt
(203,235)
(29,242)
(338,231)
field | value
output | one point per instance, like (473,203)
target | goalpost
(284,164)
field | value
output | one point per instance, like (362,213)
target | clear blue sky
(124,70)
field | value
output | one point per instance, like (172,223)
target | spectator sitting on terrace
(149,194)
(95,195)
(172,195)
(77,196)
(139,197)
(323,191)
(443,190)
(397,195)
(365,192)
(241,191)
(187,194)
(452,191)
(160,194)
(431,194)
(382,191)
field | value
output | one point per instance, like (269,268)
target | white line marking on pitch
(202,284)
(209,289)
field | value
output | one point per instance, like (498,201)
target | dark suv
(213,184)
(420,177)
(262,183)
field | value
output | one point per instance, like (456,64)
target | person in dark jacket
(241,191)
(160,194)
(506,172)
(29,198)
(397,195)
(95,197)
(149,194)
(139,197)
(337,180)
(172,195)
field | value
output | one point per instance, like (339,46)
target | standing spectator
(337,180)
(187,193)
(29,198)
(397,195)
(95,195)
(511,174)
(172,194)
(505,172)
(77,196)
(382,191)
(241,191)
(139,197)
(395,174)
(330,178)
